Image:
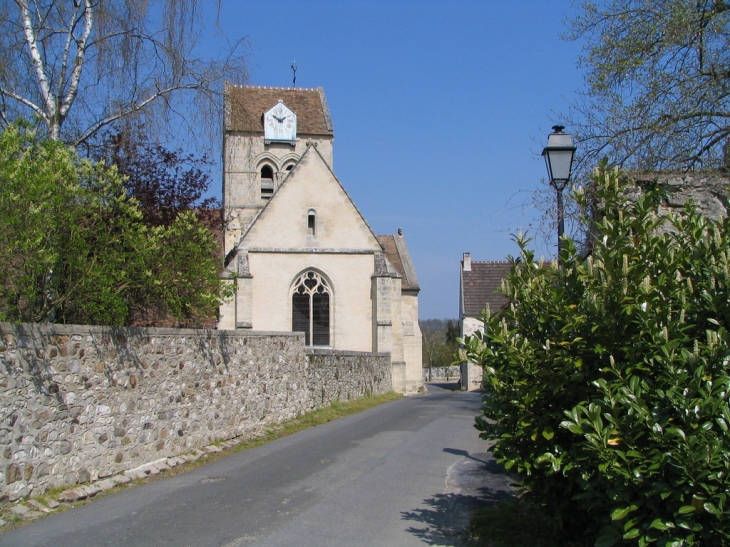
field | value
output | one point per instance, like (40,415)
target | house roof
(396,253)
(246,105)
(481,287)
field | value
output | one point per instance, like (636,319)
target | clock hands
(280,124)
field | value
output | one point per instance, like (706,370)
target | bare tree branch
(657,85)
(132,109)
(80,65)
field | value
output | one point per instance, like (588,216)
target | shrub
(607,376)
(75,249)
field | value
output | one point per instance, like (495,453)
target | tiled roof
(481,286)
(396,252)
(246,105)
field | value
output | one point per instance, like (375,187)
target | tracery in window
(311,309)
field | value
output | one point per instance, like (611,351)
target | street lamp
(558,156)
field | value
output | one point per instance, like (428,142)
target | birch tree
(657,83)
(78,66)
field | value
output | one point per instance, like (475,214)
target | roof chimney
(467,262)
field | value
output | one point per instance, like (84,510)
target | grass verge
(317,417)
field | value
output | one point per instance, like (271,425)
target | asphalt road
(405,473)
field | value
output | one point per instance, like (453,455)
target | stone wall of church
(348,276)
(81,403)
(243,158)
(710,192)
(412,343)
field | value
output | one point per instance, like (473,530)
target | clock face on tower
(280,124)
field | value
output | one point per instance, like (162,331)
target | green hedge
(607,377)
(74,247)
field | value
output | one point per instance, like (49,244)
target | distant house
(301,254)
(480,284)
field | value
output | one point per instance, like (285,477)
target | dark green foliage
(452,333)
(516,524)
(608,376)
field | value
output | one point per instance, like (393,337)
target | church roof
(396,253)
(480,286)
(246,105)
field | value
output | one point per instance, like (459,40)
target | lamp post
(558,156)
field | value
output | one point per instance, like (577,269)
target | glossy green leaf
(622,512)
(660,524)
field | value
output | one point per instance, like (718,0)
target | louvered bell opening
(267,188)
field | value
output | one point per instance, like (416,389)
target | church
(301,254)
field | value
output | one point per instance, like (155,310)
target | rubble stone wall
(710,192)
(82,403)
(344,376)
(437,374)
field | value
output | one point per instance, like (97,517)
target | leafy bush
(515,524)
(607,377)
(75,250)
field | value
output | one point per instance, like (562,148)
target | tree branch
(37,61)
(131,109)
(37,109)
(80,53)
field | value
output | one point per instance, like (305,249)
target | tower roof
(246,105)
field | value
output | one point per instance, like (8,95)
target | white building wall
(471,375)
(243,156)
(349,279)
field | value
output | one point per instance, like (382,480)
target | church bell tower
(267,130)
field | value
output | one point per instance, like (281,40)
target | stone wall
(710,192)
(437,374)
(344,376)
(82,403)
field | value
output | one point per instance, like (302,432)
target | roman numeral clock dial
(280,124)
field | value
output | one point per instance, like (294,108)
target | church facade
(300,252)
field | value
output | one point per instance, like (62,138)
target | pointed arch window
(311,309)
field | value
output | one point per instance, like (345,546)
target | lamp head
(558,156)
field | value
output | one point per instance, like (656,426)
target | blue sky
(440,110)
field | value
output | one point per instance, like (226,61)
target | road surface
(405,473)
